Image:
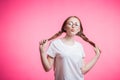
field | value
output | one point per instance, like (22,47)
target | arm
(91,63)
(47,61)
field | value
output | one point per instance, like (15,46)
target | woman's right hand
(42,45)
(47,61)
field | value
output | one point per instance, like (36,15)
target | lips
(73,30)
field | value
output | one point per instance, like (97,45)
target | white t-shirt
(68,60)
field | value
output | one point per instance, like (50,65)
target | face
(72,26)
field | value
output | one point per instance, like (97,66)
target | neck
(69,38)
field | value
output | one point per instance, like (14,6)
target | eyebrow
(75,22)
(72,22)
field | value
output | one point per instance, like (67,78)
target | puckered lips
(72,30)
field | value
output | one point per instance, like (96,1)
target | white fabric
(68,60)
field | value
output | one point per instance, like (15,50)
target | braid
(82,35)
(55,35)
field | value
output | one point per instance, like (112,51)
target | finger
(99,50)
(41,42)
(96,49)
(44,41)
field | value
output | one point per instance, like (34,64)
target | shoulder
(55,42)
(79,44)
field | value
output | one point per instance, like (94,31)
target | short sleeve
(51,50)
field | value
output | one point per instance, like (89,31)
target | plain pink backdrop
(23,23)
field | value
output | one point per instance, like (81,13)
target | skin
(72,27)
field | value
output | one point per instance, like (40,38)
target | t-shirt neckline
(66,44)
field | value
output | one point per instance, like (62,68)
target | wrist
(42,51)
(43,54)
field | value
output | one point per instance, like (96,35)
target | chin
(72,34)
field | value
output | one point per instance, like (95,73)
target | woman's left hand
(97,51)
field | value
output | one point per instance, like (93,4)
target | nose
(73,26)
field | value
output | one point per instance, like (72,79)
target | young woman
(66,54)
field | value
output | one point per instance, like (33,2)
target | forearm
(90,64)
(45,62)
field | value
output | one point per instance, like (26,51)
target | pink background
(23,23)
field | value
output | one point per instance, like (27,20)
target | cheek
(67,28)
(78,29)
